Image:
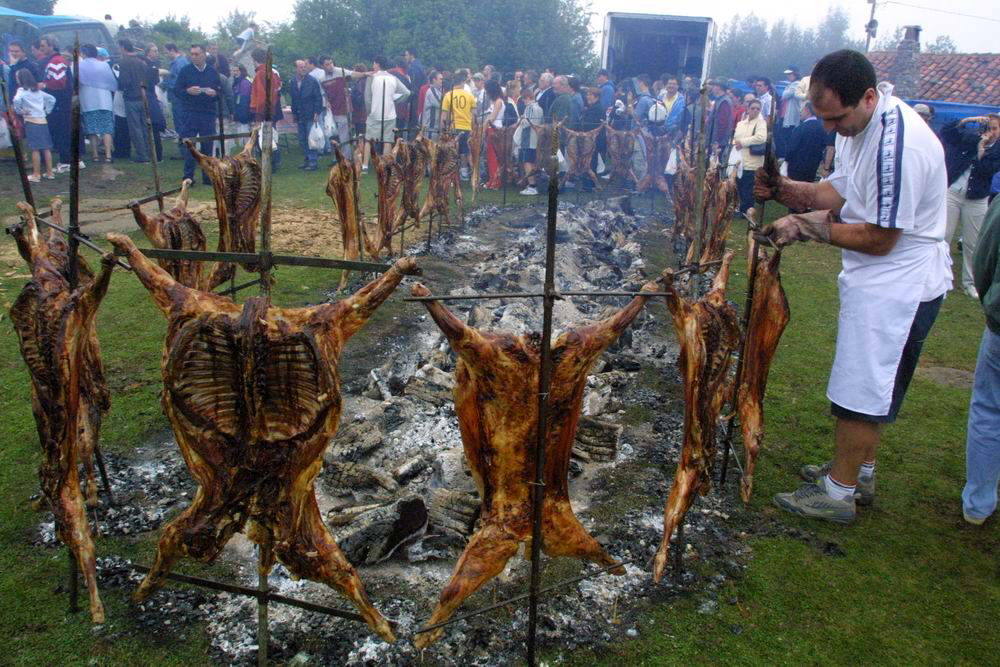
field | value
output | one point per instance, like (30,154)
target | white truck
(656,44)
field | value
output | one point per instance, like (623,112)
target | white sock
(867,469)
(836,490)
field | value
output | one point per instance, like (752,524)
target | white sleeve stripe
(890,161)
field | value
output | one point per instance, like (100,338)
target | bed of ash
(398,495)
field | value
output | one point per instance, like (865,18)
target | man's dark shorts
(926,314)
(463,141)
(529,155)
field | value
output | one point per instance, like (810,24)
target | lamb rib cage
(444,176)
(69,394)
(236,181)
(253,395)
(580,148)
(708,333)
(496,401)
(342,188)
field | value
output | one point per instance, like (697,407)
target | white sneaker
(971,291)
(62,168)
(528,191)
(82,165)
(973,520)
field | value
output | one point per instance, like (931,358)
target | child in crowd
(33,105)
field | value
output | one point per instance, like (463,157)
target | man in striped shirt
(884,206)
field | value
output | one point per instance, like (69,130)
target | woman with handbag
(750,138)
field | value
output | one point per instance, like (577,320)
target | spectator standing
(218,60)
(806,146)
(545,95)
(307,107)
(382,94)
(762,86)
(563,109)
(750,132)
(197,88)
(430,115)
(241,98)
(177,62)
(133,72)
(982,445)
(33,105)
(972,157)
(607,90)
(494,123)
(644,101)
(156,117)
(527,138)
(57,79)
(457,107)
(673,102)
(720,120)
(19,60)
(97,87)
(403,106)
(359,113)
(479,91)
(336,85)
(789,110)
(418,79)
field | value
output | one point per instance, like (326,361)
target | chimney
(905,72)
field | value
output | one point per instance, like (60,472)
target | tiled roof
(965,78)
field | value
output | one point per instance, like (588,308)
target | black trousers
(745,184)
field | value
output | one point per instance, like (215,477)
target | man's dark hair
(668,79)
(381,61)
(126,45)
(412,51)
(458,78)
(763,79)
(644,79)
(50,40)
(170,46)
(16,43)
(259,56)
(198,46)
(401,63)
(575,84)
(314,61)
(88,50)
(604,73)
(847,73)
(323,59)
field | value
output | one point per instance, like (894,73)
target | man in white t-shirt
(885,207)
(382,92)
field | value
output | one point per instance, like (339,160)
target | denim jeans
(197,125)
(982,446)
(135,115)
(308,153)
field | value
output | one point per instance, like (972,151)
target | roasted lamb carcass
(342,188)
(502,140)
(496,398)
(708,332)
(236,182)
(721,198)
(253,395)
(390,183)
(176,229)
(69,395)
(413,161)
(684,202)
(444,177)
(657,151)
(579,151)
(769,315)
(621,145)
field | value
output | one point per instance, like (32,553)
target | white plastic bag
(329,127)
(316,137)
(783,170)
(735,165)
(562,160)
(5,141)
(260,138)
(671,167)
(600,164)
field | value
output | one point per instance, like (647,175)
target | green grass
(914,586)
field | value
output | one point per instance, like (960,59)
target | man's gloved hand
(790,229)
(767,182)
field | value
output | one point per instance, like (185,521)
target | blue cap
(103,52)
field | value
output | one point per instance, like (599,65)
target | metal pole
(748,304)
(22,169)
(267,137)
(699,196)
(104,474)
(74,172)
(870,27)
(151,139)
(263,628)
(544,382)
(222,125)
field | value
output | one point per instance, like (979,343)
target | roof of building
(967,78)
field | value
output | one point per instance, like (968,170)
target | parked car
(27,28)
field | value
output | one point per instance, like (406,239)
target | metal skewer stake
(267,137)
(747,305)
(22,168)
(151,140)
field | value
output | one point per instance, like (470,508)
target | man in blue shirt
(805,146)
(307,105)
(607,88)
(197,88)
(644,100)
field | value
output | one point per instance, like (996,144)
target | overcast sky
(969,34)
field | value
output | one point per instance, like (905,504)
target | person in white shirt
(382,92)
(762,86)
(885,207)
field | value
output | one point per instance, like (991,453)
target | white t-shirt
(893,175)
